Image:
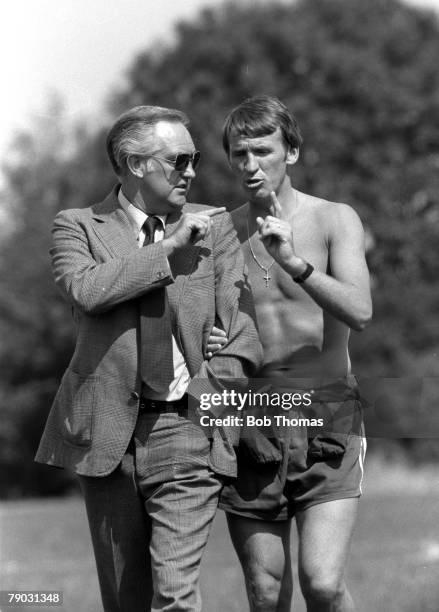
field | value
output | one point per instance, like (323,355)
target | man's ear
(138,166)
(292,156)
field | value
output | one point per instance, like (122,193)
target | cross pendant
(266,278)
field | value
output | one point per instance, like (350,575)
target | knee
(267,591)
(322,588)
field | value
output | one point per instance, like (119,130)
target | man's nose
(189,171)
(250,163)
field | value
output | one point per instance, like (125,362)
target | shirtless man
(310,282)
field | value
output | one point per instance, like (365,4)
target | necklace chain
(266,269)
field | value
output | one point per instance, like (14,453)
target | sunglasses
(182,160)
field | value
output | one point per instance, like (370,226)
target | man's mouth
(253,183)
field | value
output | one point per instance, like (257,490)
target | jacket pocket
(76,400)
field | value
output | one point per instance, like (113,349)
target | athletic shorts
(313,465)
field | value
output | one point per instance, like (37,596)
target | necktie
(156,362)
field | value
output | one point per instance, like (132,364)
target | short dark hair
(260,116)
(128,133)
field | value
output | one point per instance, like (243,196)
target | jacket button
(135,395)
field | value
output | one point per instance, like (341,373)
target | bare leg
(325,532)
(263,549)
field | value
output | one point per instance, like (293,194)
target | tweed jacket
(101,271)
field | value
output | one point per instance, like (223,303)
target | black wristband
(307,272)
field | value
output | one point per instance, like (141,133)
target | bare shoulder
(336,218)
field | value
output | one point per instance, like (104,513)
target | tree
(362,80)
(44,173)
(361,77)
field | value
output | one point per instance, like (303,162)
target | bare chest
(310,243)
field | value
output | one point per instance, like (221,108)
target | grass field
(394,565)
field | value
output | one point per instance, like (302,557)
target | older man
(310,284)
(147,274)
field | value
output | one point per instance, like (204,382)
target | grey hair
(131,133)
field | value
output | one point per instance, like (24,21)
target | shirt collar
(137,216)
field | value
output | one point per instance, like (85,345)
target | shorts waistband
(321,389)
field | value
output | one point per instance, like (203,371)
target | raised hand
(191,228)
(276,235)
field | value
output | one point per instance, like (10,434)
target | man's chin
(177,201)
(258,196)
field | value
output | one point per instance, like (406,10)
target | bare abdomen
(299,339)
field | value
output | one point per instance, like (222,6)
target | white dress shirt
(178,386)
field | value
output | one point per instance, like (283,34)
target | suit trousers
(151,517)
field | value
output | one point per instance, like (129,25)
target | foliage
(45,172)
(360,76)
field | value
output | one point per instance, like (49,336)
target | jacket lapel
(113,227)
(115,231)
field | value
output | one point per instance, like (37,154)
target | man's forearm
(95,287)
(344,301)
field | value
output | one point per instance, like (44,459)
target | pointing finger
(214,211)
(277,210)
(260,223)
